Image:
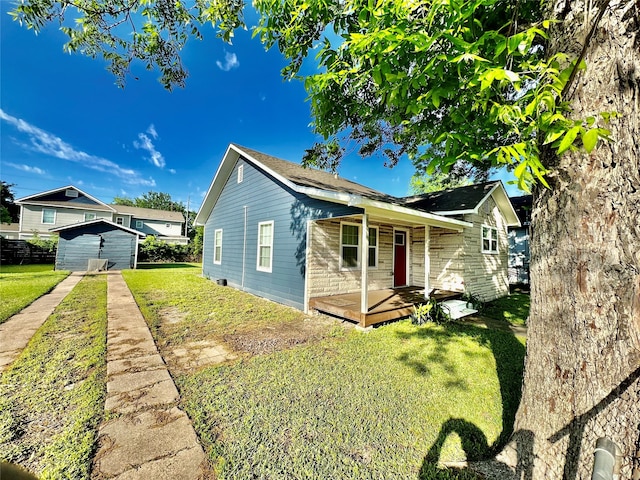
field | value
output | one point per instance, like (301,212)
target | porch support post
(364,265)
(427,260)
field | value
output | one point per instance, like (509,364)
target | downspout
(244,245)
(606,460)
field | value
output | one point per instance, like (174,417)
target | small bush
(154,250)
(431,311)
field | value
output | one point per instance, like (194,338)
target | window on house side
(489,240)
(350,246)
(89,216)
(240,173)
(48,216)
(217,247)
(265,246)
(119,221)
(139,224)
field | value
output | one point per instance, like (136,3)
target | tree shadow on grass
(509,355)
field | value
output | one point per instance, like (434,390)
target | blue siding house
(296,235)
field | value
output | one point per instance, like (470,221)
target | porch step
(457,309)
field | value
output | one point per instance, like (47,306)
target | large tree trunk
(583,351)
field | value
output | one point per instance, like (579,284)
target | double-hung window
(265,246)
(217,246)
(489,239)
(48,216)
(350,246)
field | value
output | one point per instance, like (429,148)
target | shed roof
(80,225)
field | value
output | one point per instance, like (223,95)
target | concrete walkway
(16,332)
(148,435)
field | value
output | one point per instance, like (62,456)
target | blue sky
(64,121)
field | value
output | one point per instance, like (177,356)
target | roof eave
(99,220)
(389,210)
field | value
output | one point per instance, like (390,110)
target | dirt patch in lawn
(281,336)
(206,348)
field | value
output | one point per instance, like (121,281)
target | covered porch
(382,305)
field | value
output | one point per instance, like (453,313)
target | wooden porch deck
(384,305)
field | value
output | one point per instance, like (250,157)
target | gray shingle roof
(451,199)
(315,178)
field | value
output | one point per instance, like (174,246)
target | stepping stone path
(148,436)
(16,332)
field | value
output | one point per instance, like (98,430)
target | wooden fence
(21,252)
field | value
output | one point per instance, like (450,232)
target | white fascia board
(264,168)
(215,188)
(391,211)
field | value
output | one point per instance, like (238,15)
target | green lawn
(513,309)
(20,285)
(52,396)
(391,403)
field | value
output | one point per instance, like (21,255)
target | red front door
(399,259)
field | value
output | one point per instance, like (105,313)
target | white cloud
(26,168)
(230,61)
(152,131)
(48,144)
(145,143)
(172,170)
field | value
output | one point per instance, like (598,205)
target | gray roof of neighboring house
(315,178)
(452,199)
(149,213)
(10,227)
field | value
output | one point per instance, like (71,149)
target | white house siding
(485,273)
(447,251)
(324,275)
(31,219)
(159,228)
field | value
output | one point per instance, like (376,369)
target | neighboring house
(300,236)
(165,225)
(96,245)
(43,212)
(519,241)
(10,231)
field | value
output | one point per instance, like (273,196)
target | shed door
(399,259)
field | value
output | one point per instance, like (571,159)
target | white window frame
(54,216)
(119,220)
(139,224)
(240,173)
(217,247)
(491,240)
(88,216)
(71,193)
(270,246)
(358,248)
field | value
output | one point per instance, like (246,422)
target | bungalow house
(313,240)
(43,212)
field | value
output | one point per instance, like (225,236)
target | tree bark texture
(582,367)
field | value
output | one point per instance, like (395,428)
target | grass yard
(20,285)
(513,309)
(392,403)
(52,396)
